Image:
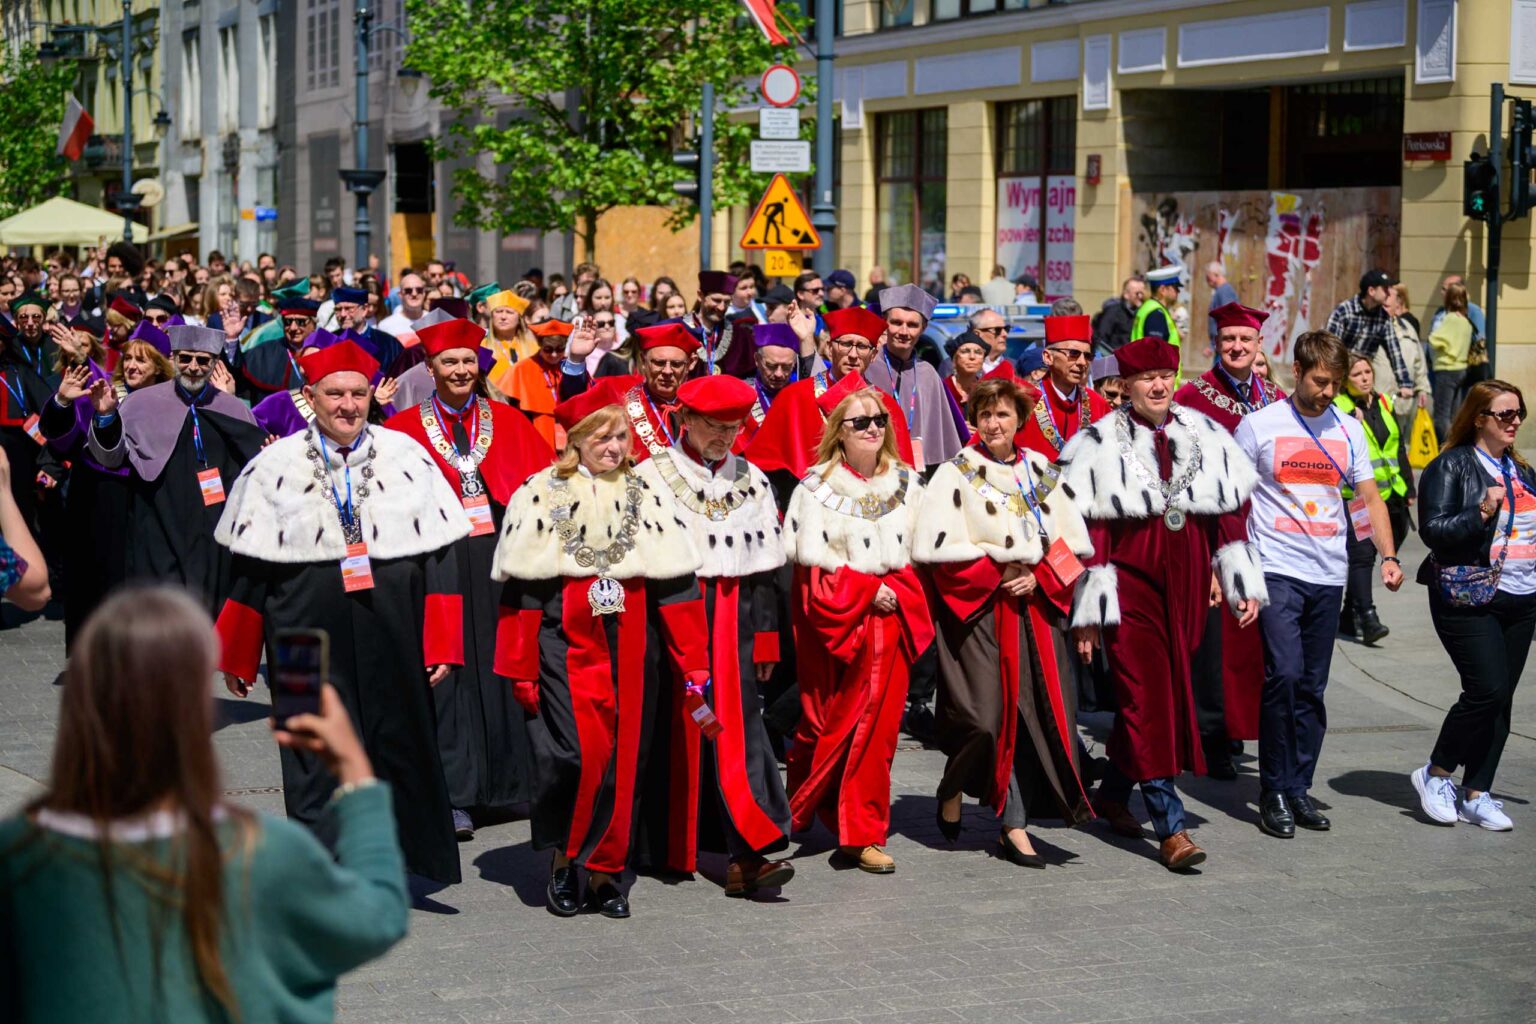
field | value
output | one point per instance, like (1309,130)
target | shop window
(1037,191)
(947,10)
(1340,134)
(912,154)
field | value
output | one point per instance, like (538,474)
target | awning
(174,231)
(61,221)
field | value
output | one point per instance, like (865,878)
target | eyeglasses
(157,318)
(1507,415)
(857,346)
(413,291)
(29,318)
(603,325)
(1072,354)
(861,423)
(194,359)
(814,291)
(297,321)
(999,329)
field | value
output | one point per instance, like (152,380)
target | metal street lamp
(359,180)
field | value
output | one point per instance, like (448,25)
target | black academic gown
(27,384)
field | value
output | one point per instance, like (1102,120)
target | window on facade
(1037,191)
(896,13)
(322,48)
(947,10)
(191,86)
(1340,134)
(912,154)
(384,47)
(229,80)
(266,71)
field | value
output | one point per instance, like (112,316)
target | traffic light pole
(707,177)
(823,212)
(1495,229)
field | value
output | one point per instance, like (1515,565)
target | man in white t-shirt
(413,306)
(1304,452)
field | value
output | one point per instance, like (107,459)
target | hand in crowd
(222,378)
(269,439)
(1018,580)
(103,398)
(1248,612)
(803,322)
(1087,638)
(232,319)
(526,693)
(63,337)
(582,341)
(329,736)
(1491,502)
(1423,400)
(885,600)
(763,670)
(385,392)
(1215,591)
(1391,575)
(436,674)
(237,686)
(45,481)
(74,383)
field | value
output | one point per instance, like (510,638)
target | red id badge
(356,573)
(1360,519)
(1057,574)
(478,508)
(702,715)
(212,487)
(34,431)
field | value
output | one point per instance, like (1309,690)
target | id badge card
(559,439)
(356,573)
(1360,519)
(918,462)
(481,522)
(34,431)
(212,487)
(1057,573)
(703,716)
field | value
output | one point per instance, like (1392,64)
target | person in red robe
(785,444)
(861,618)
(1229,666)
(1001,557)
(601,608)
(1162,515)
(777,359)
(485,450)
(1069,403)
(667,353)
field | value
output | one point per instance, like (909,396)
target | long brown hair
(143,349)
(831,447)
(1478,401)
(136,735)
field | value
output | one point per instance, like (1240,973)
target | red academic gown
(1241,650)
(786,440)
(1052,417)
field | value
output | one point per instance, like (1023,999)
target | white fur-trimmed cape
(530,549)
(279,512)
(749,540)
(1095,475)
(814,535)
(957,523)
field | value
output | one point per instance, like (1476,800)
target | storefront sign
(1095,165)
(1035,222)
(1426,145)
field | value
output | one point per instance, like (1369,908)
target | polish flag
(75,129)
(763,15)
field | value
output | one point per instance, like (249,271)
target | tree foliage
(602,91)
(29,128)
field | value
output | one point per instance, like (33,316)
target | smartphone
(301,662)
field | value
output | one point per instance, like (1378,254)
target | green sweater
(296,920)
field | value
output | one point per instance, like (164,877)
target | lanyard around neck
(1344,480)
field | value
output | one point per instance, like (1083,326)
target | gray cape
(152,422)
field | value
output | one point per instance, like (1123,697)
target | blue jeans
(1163,804)
(1298,627)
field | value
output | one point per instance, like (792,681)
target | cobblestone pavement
(1383,919)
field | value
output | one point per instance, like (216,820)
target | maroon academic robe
(1241,651)
(1054,422)
(1148,585)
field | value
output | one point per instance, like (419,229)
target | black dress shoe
(1371,629)
(562,896)
(1275,816)
(607,900)
(1014,855)
(950,830)
(1218,764)
(1307,815)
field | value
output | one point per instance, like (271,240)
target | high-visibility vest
(1384,454)
(1139,328)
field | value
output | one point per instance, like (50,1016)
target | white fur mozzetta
(749,539)
(1242,576)
(815,535)
(1095,474)
(1097,601)
(960,523)
(278,511)
(530,549)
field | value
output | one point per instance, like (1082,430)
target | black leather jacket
(1450,490)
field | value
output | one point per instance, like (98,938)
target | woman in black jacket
(1477,507)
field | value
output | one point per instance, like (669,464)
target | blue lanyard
(896,387)
(762,396)
(34,358)
(1051,413)
(1254,387)
(344,510)
(661,417)
(16,393)
(1032,499)
(1511,481)
(1344,481)
(297,372)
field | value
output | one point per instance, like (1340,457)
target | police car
(1026,327)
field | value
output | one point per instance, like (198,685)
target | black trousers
(1362,559)
(1488,646)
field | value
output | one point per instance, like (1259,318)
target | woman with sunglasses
(1477,512)
(1006,703)
(861,618)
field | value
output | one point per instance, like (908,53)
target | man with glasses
(185,442)
(1067,404)
(273,365)
(71,297)
(413,305)
(28,380)
(842,290)
(992,327)
(350,320)
(161,310)
(935,424)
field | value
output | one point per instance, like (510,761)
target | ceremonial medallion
(1174,519)
(606,596)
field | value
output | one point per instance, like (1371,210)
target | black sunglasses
(861,423)
(194,358)
(1507,416)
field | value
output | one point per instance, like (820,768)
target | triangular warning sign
(780,221)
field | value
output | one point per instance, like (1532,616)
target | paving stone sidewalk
(1383,919)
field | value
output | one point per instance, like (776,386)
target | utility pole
(127,202)
(1495,223)
(707,176)
(361,182)
(823,212)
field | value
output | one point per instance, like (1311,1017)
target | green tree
(29,129)
(603,92)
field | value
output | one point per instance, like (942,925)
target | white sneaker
(1485,812)
(1437,796)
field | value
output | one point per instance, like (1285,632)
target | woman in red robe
(861,617)
(1002,556)
(601,606)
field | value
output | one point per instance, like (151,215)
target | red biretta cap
(721,397)
(343,357)
(577,408)
(1146,354)
(668,335)
(1068,328)
(850,383)
(451,334)
(855,320)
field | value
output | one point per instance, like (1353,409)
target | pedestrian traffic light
(1522,158)
(688,159)
(1479,187)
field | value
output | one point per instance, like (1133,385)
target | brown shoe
(1119,817)
(1179,852)
(745,877)
(869,858)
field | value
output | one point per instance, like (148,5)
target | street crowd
(607,555)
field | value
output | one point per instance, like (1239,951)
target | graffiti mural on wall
(1294,254)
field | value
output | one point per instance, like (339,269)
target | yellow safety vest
(1139,328)
(1384,455)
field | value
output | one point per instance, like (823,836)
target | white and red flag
(75,129)
(762,13)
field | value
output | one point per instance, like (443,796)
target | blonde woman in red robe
(1002,552)
(861,617)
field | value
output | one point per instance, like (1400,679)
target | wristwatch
(1393,559)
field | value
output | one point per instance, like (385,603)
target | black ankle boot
(1371,629)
